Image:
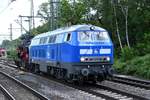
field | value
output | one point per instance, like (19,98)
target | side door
(59,42)
(53,48)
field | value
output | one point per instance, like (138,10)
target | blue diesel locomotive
(78,53)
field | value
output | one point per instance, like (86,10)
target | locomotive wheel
(58,75)
(58,72)
(69,79)
(52,71)
(80,80)
(55,72)
(94,82)
(109,78)
(61,74)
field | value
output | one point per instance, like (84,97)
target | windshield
(93,36)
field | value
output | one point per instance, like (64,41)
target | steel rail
(134,96)
(36,93)
(94,93)
(131,81)
(6,93)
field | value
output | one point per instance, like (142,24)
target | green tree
(124,8)
(44,11)
(72,13)
(5,43)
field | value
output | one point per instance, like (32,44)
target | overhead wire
(4,10)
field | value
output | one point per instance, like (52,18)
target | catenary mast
(54,14)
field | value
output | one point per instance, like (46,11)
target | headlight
(82,59)
(108,58)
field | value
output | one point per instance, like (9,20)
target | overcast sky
(10,13)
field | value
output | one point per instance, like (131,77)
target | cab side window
(68,37)
(43,40)
(59,38)
(52,39)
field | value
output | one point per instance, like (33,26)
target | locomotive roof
(69,29)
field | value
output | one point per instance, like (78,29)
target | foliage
(10,44)
(5,43)
(139,66)
(12,54)
(127,53)
(71,13)
(41,29)
(119,66)
(44,11)
(143,47)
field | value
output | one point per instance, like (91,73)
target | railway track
(6,94)
(105,97)
(103,91)
(14,89)
(129,96)
(131,81)
(106,92)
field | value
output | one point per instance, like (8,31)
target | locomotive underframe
(88,71)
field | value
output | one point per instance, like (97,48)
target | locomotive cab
(96,53)
(95,44)
(88,53)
